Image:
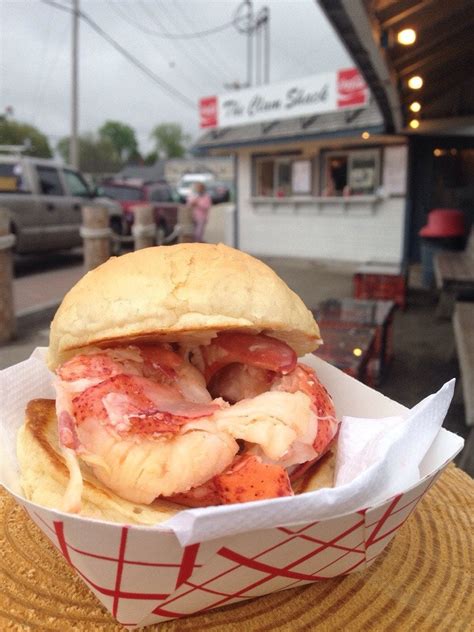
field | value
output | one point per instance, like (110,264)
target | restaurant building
(317,175)
(417,59)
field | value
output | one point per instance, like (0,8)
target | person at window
(200,203)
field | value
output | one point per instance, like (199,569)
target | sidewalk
(43,291)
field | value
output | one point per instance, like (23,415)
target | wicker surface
(422,582)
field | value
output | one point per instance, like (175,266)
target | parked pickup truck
(44,199)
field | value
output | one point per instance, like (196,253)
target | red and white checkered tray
(143,575)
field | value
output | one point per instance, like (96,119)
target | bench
(463,321)
(454,273)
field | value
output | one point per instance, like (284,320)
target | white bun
(187,292)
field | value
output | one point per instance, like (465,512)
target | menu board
(395,162)
(301,176)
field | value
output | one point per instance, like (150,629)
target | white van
(185,185)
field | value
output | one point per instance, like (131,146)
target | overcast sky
(35,59)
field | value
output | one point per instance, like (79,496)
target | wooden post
(7,311)
(185,221)
(96,234)
(144,227)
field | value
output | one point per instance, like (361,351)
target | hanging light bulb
(415,106)
(415,82)
(406,37)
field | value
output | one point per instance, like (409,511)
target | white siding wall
(340,231)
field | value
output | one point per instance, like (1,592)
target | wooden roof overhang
(443,55)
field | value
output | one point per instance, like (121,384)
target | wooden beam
(402,10)
(434,39)
(453,76)
(458,51)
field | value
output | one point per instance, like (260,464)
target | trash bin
(445,230)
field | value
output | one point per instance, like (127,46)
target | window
(11,178)
(126,194)
(347,173)
(281,177)
(161,194)
(77,185)
(49,181)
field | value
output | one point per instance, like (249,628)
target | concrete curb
(37,315)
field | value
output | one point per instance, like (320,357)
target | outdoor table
(334,315)
(349,349)
(422,581)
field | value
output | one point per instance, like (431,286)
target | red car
(128,193)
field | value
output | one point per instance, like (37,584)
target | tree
(151,158)
(170,140)
(122,138)
(96,155)
(16,133)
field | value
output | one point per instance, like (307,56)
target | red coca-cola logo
(208,112)
(351,88)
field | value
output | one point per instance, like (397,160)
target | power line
(210,50)
(131,58)
(167,35)
(207,62)
(153,42)
(194,59)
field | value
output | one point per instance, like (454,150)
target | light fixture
(415,106)
(415,82)
(406,37)
(438,152)
(357,352)
(414,124)
(365,135)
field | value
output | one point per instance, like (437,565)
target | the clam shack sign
(326,92)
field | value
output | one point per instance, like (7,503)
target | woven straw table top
(423,581)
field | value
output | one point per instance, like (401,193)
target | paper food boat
(146,575)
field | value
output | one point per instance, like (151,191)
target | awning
(443,56)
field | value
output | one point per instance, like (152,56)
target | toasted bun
(187,292)
(319,475)
(44,475)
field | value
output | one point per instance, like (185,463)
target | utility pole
(258,27)
(249,41)
(74,142)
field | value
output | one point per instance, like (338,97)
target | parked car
(44,199)
(185,185)
(130,192)
(219,191)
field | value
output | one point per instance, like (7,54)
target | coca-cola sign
(208,112)
(351,88)
(308,96)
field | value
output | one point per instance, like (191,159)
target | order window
(349,173)
(282,177)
